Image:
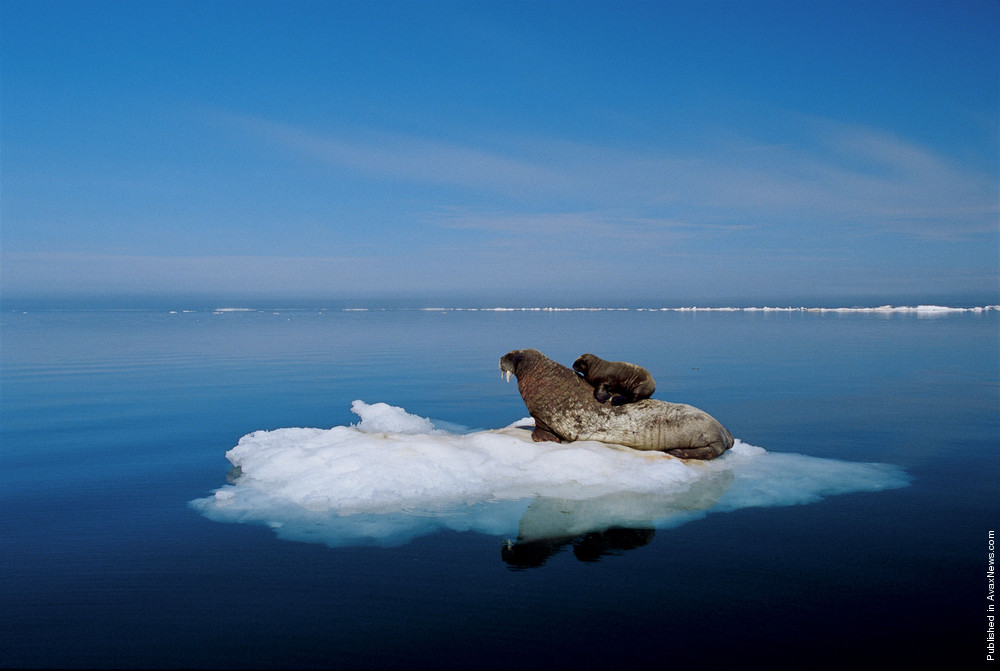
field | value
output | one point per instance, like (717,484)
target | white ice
(394,476)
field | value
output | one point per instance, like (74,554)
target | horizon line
(921,309)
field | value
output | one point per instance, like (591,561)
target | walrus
(564,409)
(617,381)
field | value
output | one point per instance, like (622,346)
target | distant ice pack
(395,476)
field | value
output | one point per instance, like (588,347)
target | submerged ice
(394,476)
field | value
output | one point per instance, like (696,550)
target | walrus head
(582,364)
(511,360)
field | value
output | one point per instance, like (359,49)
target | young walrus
(617,381)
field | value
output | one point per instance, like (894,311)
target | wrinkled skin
(616,381)
(564,409)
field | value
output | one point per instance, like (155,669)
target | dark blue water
(112,421)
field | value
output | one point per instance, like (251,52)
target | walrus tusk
(508,375)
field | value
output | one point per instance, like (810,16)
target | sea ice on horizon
(393,476)
(924,310)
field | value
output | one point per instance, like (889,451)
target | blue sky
(513,153)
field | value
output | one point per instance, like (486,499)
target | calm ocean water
(113,422)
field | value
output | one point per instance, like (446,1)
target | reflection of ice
(608,524)
(394,477)
(558,517)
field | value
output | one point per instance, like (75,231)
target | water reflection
(606,525)
(590,547)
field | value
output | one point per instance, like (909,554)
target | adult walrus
(618,381)
(564,409)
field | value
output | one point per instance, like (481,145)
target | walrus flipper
(707,452)
(543,433)
(622,399)
(603,395)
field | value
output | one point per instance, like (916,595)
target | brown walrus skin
(564,409)
(618,381)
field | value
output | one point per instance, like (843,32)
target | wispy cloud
(829,172)
(543,224)
(396,156)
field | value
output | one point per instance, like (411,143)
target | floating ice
(393,476)
(882,309)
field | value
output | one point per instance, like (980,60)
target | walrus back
(651,424)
